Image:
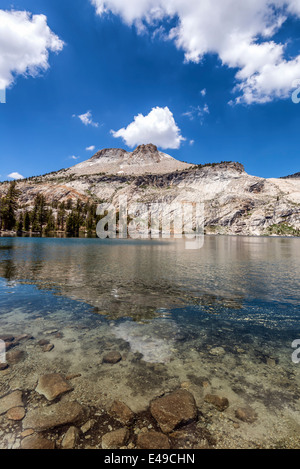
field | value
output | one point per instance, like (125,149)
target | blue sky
(115,67)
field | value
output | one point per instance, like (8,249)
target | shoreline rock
(174,409)
(115,439)
(122,412)
(153,440)
(37,442)
(53,416)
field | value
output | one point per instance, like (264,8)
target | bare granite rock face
(235,203)
(145,159)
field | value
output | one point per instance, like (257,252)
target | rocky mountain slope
(234,202)
(292,176)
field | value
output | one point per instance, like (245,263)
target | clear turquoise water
(253,282)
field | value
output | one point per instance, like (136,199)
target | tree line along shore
(41,218)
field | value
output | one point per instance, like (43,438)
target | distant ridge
(291,176)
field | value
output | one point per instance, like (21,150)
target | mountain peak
(148,148)
(145,159)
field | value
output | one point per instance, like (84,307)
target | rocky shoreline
(48,416)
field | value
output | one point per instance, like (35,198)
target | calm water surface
(242,279)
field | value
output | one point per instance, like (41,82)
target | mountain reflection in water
(138,279)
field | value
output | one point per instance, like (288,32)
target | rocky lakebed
(86,386)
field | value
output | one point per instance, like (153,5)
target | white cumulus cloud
(15,175)
(91,148)
(241,33)
(158,127)
(25,43)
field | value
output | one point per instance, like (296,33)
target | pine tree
(73,223)
(50,227)
(20,224)
(9,207)
(61,217)
(26,221)
(39,214)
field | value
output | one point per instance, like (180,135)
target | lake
(219,320)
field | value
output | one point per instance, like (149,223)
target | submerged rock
(221,403)
(115,439)
(15,356)
(112,357)
(16,414)
(87,426)
(52,386)
(37,442)
(246,414)
(48,347)
(173,410)
(7,338)
(153,440)
(27,432)
(217,351)
(43,342)
(53,416)
(121,412)
(14,399)
(270,361)
(70,438)
(22,337)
